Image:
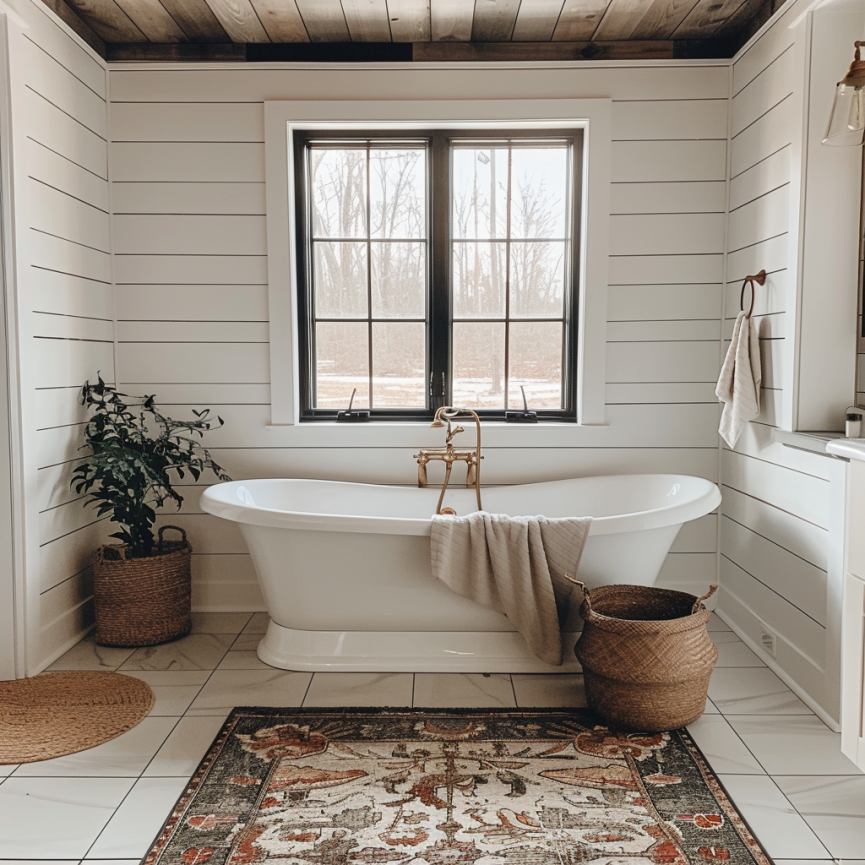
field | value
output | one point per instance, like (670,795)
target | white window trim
(282,118)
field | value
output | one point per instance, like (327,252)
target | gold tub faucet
(449,454)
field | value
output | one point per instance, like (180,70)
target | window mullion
(369,351)
(440,301)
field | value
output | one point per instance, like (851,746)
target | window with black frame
(438,268)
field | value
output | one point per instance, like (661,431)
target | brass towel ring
(760,279)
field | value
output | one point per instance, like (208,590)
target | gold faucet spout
(445,415)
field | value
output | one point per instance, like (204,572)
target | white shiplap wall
(779,508)
(65,301)
(187,155)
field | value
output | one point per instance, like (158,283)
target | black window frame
(439,295)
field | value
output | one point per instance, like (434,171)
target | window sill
(418,434)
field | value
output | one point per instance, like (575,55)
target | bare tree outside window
(510,245)
(508,205)
(369,249)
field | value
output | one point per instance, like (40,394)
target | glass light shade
(847,121)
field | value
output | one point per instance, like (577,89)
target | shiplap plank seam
(758,197)
(769,540)
(70,71)
(69,273)
(69,240)
(66,113)
(69,195)
(774,591)
(761,159)
(757,120)
(767,66)
(757,243)
(67,158)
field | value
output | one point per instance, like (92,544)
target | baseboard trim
(782,674)
(61,650)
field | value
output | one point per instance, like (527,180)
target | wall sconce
(847,122)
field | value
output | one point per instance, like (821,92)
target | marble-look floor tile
(732,652)
(773,820)
(174,689)
(123,757)
(826,861)
(463,690)
(7,769)
(86,655)
(565,690)
(711,708)
(753,691)
(184,749)
(246,643)
(724,750)
(135,824)
(195,652)
(38,861)
(715,623)
(793,745)
(360,689)
(56,818)
(833,807)
(229,688)
(244,660)
(257,624)
(136,861)
(219,623)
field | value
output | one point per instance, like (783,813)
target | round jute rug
(60,713)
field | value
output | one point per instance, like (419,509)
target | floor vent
(767,641)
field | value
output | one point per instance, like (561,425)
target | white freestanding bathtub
(345,567)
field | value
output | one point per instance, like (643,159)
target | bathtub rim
(214,501)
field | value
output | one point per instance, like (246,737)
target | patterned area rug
(450,787)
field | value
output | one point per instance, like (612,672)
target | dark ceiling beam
(422,52)
(75,23)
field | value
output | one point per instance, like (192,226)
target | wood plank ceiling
(584,22)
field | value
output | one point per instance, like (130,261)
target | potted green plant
(142,586)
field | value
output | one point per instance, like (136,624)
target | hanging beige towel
(514,565)
(739,383)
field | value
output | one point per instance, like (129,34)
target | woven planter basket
(143,601)
(646,655)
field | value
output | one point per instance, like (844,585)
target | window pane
(480,189)
(342,363)
(397,187)
(399,365)
(398,280)
(535,359)
(340,279)
(479,364)
(539,179)
(479,279)
(537,279)
(338,192)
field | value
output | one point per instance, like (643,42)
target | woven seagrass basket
(143,601)
(647,656)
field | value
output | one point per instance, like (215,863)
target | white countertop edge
(814,442)
(851,449)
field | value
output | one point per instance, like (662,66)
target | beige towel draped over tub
(514,565)
(739,383)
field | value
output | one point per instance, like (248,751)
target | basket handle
(699,602)
(176,529)
(583,587)
(100,553)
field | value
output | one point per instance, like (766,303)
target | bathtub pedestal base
(406,651)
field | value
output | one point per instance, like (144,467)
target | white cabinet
(853,615)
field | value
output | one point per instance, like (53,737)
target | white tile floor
(781,765)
